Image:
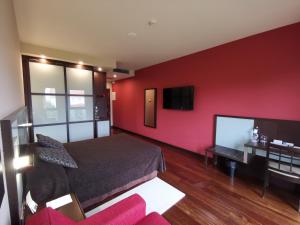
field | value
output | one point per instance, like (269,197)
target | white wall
(11,88)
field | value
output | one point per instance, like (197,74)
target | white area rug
(159,197)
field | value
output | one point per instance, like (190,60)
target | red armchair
(130,211)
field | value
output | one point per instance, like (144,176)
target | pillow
(46,181)
(59,156)
(48,141)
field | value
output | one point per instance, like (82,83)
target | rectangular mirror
(150,99)
(1,181)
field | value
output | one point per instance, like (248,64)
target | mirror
(1,182)
(150,107)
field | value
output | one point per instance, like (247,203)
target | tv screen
(180,98)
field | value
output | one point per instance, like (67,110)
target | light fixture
(115,75)
(43,59)
(80,63)
(132,34)
(99,69)
(152,22)
(22,162)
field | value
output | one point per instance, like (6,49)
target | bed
(106,166)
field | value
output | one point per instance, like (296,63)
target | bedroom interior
(130,112)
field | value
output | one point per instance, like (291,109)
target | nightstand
(72,210)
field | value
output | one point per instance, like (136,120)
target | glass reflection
(77,101)
(80,108)
(48,109)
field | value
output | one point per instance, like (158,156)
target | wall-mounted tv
(180,98)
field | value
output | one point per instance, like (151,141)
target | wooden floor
(213,198)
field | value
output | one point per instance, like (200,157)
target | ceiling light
(99,69)
(43,59)
(80,63)
(132,34)
(152,22)
(115,75)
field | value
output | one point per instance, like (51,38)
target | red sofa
(130,211)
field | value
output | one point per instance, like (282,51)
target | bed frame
(15,138)
(14,134)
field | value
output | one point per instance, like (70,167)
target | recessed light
(80,63)
(99,69)
(115,75)
(152,22)
(43,56)
(132,34)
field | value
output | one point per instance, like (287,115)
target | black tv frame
(181,109)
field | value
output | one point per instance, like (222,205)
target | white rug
(159,197)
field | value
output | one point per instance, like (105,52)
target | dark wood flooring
(213,198)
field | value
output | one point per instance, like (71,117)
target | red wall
(258,76)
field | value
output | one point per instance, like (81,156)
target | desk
(254,146)
(232,154)
(229,153)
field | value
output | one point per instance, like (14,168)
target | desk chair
(282,162)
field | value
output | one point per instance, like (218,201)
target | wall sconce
(23,162)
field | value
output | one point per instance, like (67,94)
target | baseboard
(186,151)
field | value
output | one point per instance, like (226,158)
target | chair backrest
(285,160)
(49,216)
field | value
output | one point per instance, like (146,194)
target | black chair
(284,163)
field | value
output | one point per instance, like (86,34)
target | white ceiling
(100,27)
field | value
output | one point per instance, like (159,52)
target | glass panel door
(61,98)
(46,78)
(48,109)
(81,131)
(58,132)
(80,108)
(80,81)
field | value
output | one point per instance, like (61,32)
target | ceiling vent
(120,70)
(119,74)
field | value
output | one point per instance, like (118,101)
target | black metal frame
(28,94)
(289,176)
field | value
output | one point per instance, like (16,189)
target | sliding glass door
(61,100)
(48,100)
(80,103)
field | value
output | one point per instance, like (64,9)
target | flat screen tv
(180,98)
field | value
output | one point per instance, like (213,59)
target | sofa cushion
(126,212)
(153,218)
(49,216)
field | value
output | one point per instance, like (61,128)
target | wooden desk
(229,153)
(72,210)
(254,146)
